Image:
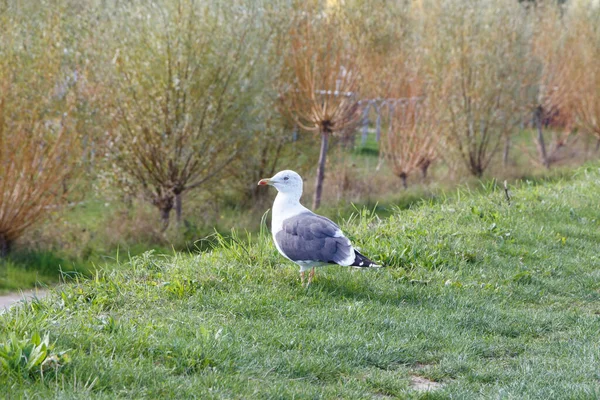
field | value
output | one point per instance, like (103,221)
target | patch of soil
(423,384)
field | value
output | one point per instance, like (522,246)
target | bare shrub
(413,131)
(39,147)
(583,42)
(412,139)
(552,85)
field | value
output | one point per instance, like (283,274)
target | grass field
(486,299)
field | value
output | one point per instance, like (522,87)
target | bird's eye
(286,178)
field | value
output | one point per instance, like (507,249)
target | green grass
(370,147)
(28,269)
(489,299)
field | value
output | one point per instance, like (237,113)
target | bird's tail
(361,261)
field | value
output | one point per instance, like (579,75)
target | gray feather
(311,237)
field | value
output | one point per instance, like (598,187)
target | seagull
(308,239)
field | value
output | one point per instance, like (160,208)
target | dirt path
(7,300)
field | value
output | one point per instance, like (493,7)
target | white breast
(284,207)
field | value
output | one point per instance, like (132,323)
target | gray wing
(311,237)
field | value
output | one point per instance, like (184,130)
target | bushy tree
(179,93)
(478,69)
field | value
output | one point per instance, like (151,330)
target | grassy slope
(489,299)
(92,232)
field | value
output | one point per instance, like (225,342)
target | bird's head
(285,182)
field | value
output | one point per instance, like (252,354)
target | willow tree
(181,88)
(412,137)
(583,38)
(320,89)
(554,79)
(478,67)
(39,147)
(382,33)
(37,157)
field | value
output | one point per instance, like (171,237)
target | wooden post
(365,125)
(378,124)
(321,169)
(506,151)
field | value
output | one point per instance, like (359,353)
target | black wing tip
(361,261)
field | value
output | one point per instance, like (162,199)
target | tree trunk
(424,166)
(256,196)
(404,176)
(540,138)
(4,245)
(165,205)
(164,218)
(476,169)
(321,169)
(178,207)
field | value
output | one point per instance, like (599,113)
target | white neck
(286,205)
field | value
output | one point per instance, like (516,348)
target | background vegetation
(115,115)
